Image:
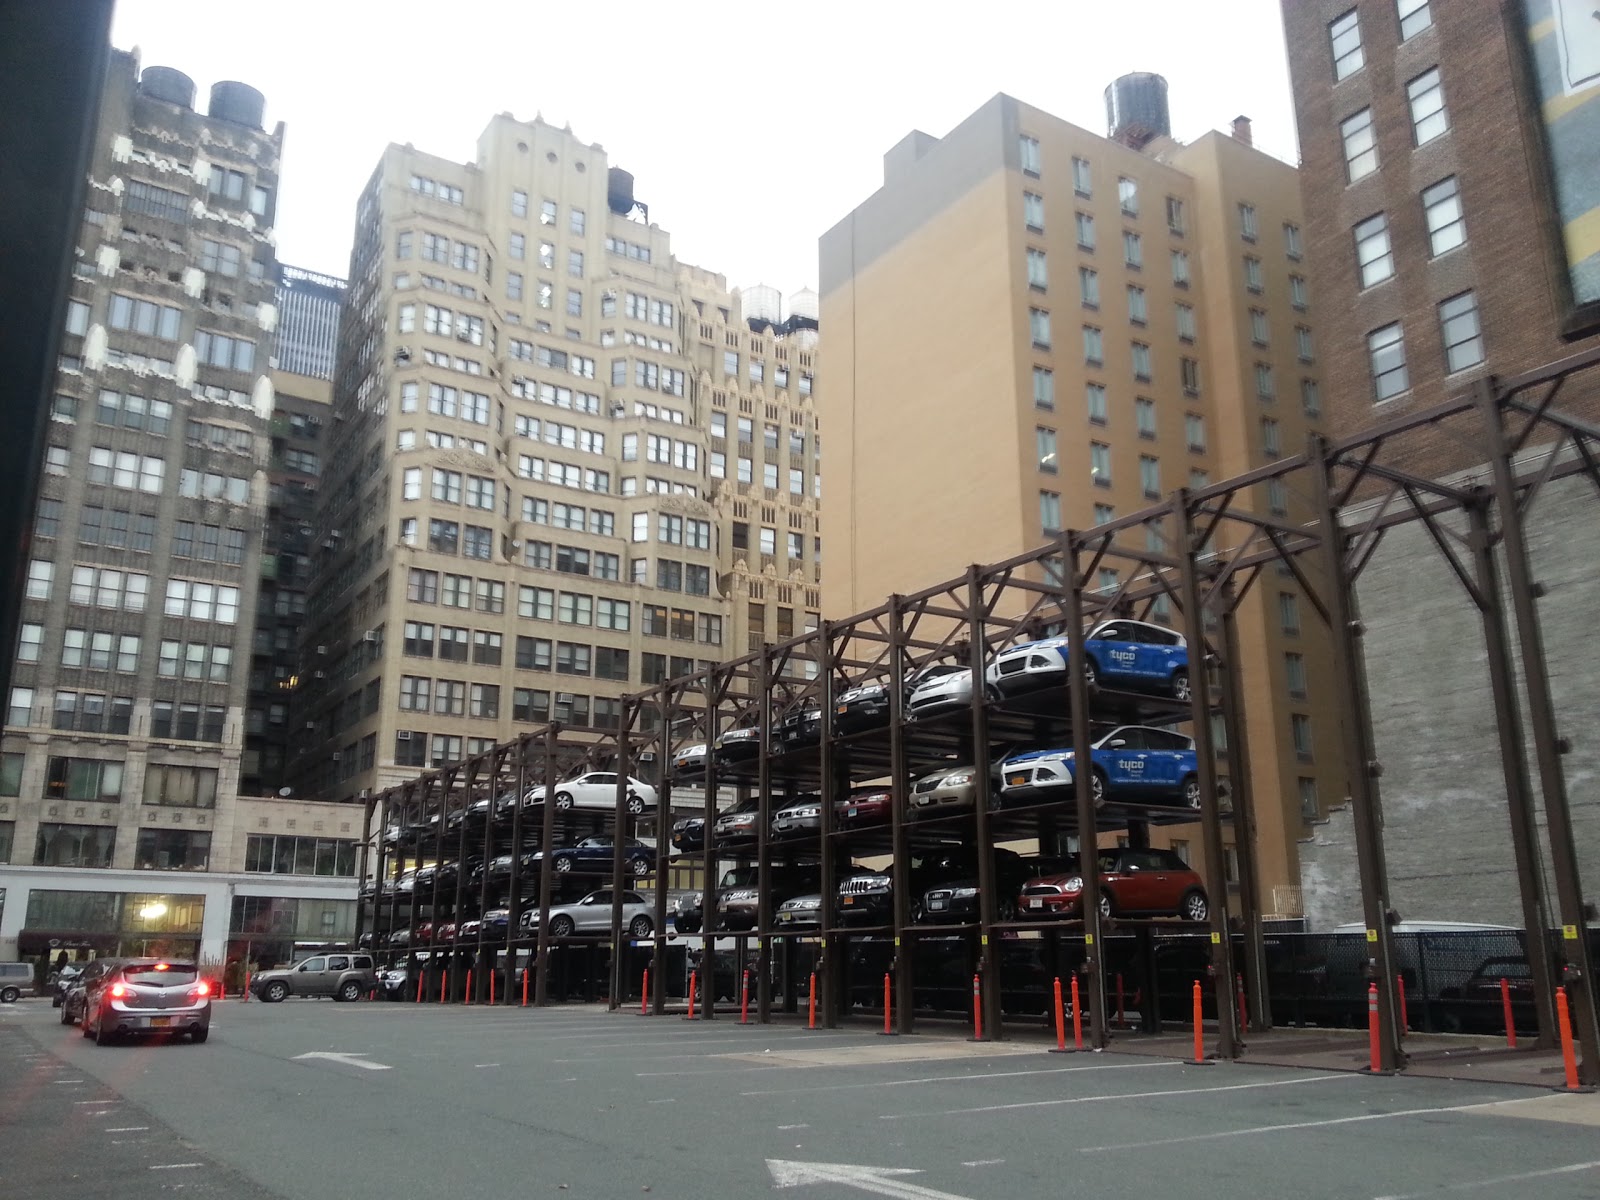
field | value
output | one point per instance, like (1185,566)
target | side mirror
(1116,744)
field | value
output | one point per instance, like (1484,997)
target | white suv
(598,789)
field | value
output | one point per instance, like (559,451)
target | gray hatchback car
(145,997)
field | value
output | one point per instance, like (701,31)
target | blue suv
(1129,655)
(1134,763)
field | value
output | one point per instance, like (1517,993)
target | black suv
(955,901)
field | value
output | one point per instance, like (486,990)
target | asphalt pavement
(309,1100)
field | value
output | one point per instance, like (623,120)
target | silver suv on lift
(342,976)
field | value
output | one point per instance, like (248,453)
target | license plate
(160,1022)
(1036,902)
(936,905)
(850,812)
(1016,780)
(849,900)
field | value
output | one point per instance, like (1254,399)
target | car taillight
(120,990)
(202,988)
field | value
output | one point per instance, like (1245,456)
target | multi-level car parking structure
(813,720)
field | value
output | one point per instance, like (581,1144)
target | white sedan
(598,789)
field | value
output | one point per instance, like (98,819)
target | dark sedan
(800,727)
(594,856)
(956,901)
(867,897)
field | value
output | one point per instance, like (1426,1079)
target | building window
(1137,311)
(1252,275)
(1428,117)
(1045,440)
(1038,276)
(1258,326)
(1185,322)
(1247,222)
(1194,427)
(1270,443)
(1033,212)
(1309,810)
(1082,177)
(1415,16)
(1144,411)
(1291,240)
(1176,219)
(61,845)
(1039,327)
(1300,730)
(1374,254)
(1189,373)
(1294,668)
(1360,145)
(1277,498)
(1100,463)
(1297,291)
(1089,287)
(1266,384)
(1302,343)
(1050,511)
(1093,346)
(88,779)
(1150,475)
(1441,205)
(1463,335)
(1344,33)
(1084,223)
(1141,362)
(1310,399)
(1028,153)
(1095,397)
(1044,388)
(1289,613)
(1128,196)
(1386,351)
(1132,249)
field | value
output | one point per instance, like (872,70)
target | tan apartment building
(1032,328)
(538,415)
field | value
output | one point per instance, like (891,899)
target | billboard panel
(1564,51)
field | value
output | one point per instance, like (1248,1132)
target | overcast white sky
(749,127)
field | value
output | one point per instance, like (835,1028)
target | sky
(749,128)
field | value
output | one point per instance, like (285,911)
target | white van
(16,979)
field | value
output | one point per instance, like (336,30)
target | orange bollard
(694,978)
(977,1009)
(1564,1021)
(1077,1017)
(812,1003)
(888,1008)
(491,988)
(1505,1003)
(468,1000)
(1374,1055)
(644,993)
(245,995)
(419,987)
(1061,1019)
(524,987)
(1199,1032)
(744,998)
(444,984)
(1405,1024)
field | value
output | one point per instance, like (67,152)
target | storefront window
(74,845)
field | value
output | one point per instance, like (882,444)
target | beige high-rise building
(548,489)
(1032,328)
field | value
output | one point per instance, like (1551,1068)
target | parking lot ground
(312,1098)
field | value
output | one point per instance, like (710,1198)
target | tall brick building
(1448,168)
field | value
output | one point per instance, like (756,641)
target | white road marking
(838,1087)
(66,1081)
(1228,1133)
(482,1066)
(878,1180)
(724,1071)
(97,1101)
(1232,1087)
(349,1060)
(175,1166)
(128,1129)
(983,1162)
(794,1126)
(1569,1169)
(669,1100)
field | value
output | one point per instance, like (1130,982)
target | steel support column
(658,953)
(1242,793)
(369,802)
(1093,983)
(828,884)
(1548,745)
(988,941)
(1361,764)
(1514,768)
(715,687)
(547,834)
(621,832)
(764,734)
(905,940)
(514,896)
(1205,753)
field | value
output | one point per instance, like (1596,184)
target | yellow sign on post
(1088,939)
(1569,933)
(1372,935)
(1216,939)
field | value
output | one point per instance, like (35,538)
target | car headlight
(960,779)
(809,812)
(964,893)
(1073,885)
(804,904)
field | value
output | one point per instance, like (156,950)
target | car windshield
(740,877)
(161,974)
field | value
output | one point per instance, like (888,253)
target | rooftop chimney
(1241,130)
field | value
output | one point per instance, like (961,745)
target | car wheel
(1195,907)
(349,990)
(1180,686)
(1108,906)
(199,1036)
(564,801)
(641,927)
(635,805)
(83,1027)
(275,991)
(563,864)
(640,867)
(1006,910)
(55,1001)
(66,1015)
(10,995)
(1191,792)
(1097,788)
(561,925)
(102,1035)
(1091,675)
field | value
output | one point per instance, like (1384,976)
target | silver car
(942,689)
(948,787)
(146,997)
(592,914)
